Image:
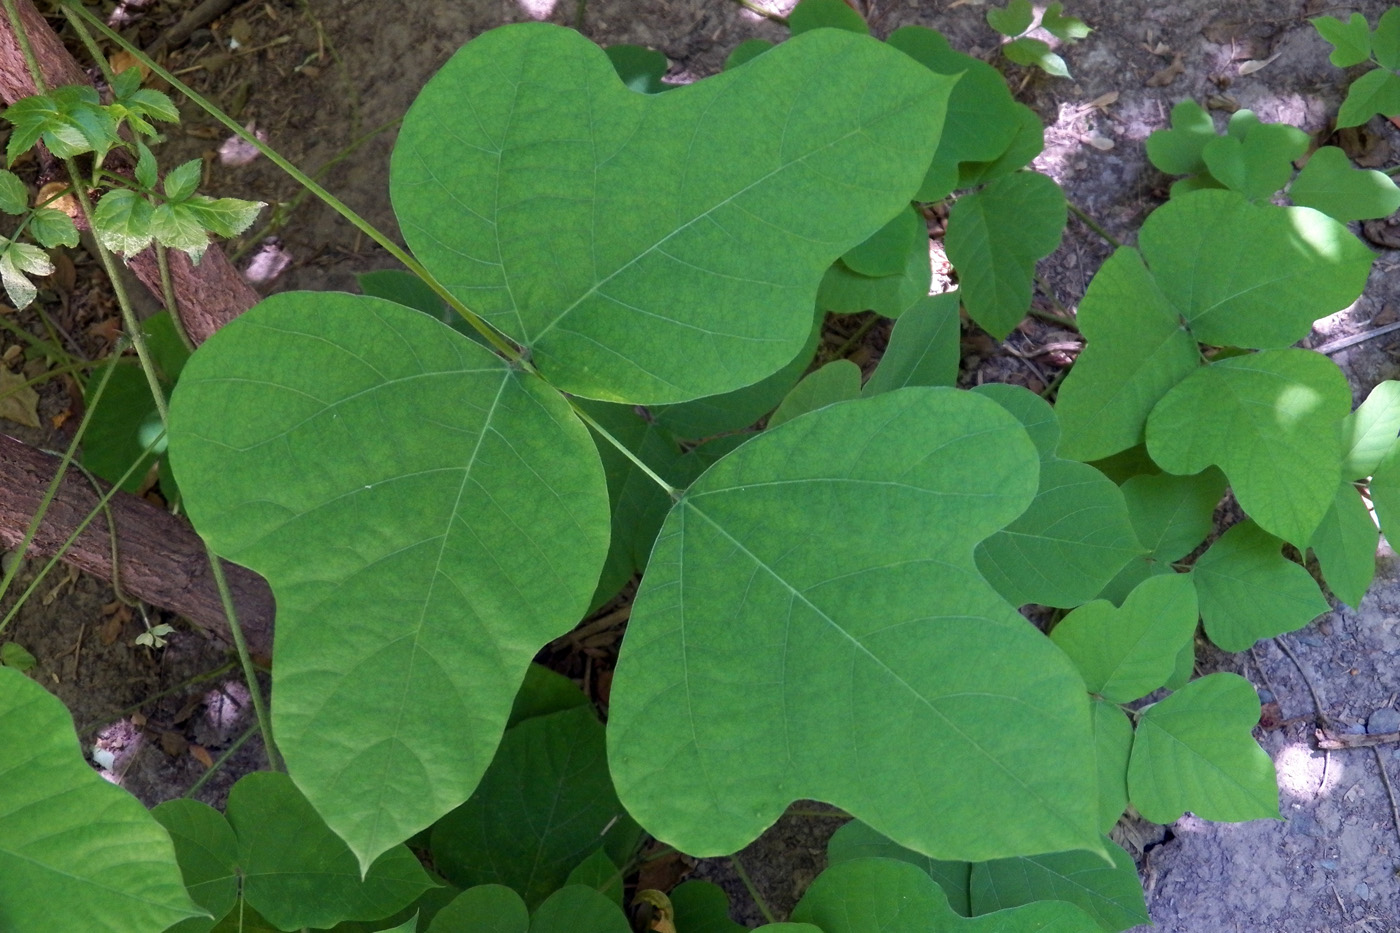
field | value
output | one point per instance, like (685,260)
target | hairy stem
(245,659)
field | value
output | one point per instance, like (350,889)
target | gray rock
(1385,719)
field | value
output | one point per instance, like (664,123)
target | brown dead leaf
(18,402)
(1250,67)
(52,195)
(662,914)
(201,754)
(174,744)
(662,873)
(1102,101)
(122,60)
(1222,102)
(1168,74)
(138,719)
(12,354)
(58,419)
(111,630)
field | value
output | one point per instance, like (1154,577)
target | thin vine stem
(1092,224)
(167,291)
(753,891)
(45,376)
(94,51)
(245,659)
(588,419)
(219,762)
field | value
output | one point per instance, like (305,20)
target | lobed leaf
(1180,150)
(1258,163)
(1013,19)
(1385,39)
(1350,40)
(1330,184)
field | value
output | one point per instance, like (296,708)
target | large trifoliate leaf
(76,853)
(1330,184)
(880,895)
(855,840)
(1369,433)
(427,516)
(777,648)
(995,237)
(1125,654)
(1272,422)
(1065,548)
(923,348)
(543,806)
(1193,751)
(1108,892)
(1248,590)
(1345,545)
(656,248)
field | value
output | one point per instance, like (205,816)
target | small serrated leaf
(126,83)
(18,288)
(146,171)
(154,104)
(1350,41)
(224,217)
(181,181)
(175,226)
(52,228)
(14,196)
(122,221)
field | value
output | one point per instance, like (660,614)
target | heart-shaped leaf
(1369,433)
(1109,892)
(207,851)
(1332,185)
(829,14)
(855,840)
(845,642)
(488,908)
(415,577)
(626,289)
(76,853)
(1345,545)
(1272,422)
(924,347)
(1180,150)
(1193,751)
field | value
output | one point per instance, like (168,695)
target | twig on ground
(200,16)
(1342,343)
(1389,791)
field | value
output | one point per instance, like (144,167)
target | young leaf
(207,851)
(640,68)
(855,840)
(1375,92)
(924,347)
(1260,163)
(76,853)
(577,909)
(17,263)
(1248,590)
(1369,433)
(15,655)
(1345,545)
(703,907)
(223,216)
(122,221)
(1028,51)
(1180,150)
(832,14)
(18,400)
(886,251)
(1272,422)
(1350,41)
(982,120)
(414,581)
(828,676)
(599,873)
(1062,27)
(1173,514)
(1072,540)
(175,226)
(147,172)
(51,228)
(489,908)
(701,277)
(181,181)
(837,381)
(1193,751)
(995,237)
(14,196)
(1330,184)
(1113,744)
(880,895)
(1385,40)
(545,803)
(1012,20)
(1034,413)
(1110,893)
(1125,654)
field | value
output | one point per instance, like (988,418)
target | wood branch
(210,294)
(1328,739)
(160,558)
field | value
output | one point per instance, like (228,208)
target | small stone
(1362,890)
(1385,719)
(1266,695)
(1327,864)
(1310,639)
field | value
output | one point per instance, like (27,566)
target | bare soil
(325,79)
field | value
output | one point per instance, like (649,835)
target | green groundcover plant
(614,280)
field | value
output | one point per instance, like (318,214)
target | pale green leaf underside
(1248,590)
(76,853)
(1345,545)
(880,895)
(427,518)
(1110,893)
(1370,432)
(770,620)
(657,248)
(1193,751)
(1272,422)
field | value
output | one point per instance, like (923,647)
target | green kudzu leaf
(1350,40)
(1345,545)
(544,692)
(1180,150)
(111,444)
(545,803)
(1062,27)
(181,182)
(837,381)
(701,276)
(1272,422)
(577,909)
(1072,540)
(122,221)
(1036,52)
(1260,163)
(14,196)
(640,68)
(1375,92)
(1330,184)
(490,908)
(405,288)
(415,580)
(1385,40)
(855,840)
(1025,145)
(599,873)
(13,654)
(880,895)
(746,51)
(924,347)
(1173,514)
(1125,654)
(207,851)
(702,907)
(1369,433)
(1248,590)
(850,642)
(76,853)
(886,252)
(1013,19)
(995,237)
(1193,751)
(1034,413)
(52,228)
(1109,892)
(1113,743)
(833,14)
(848,292)
(982,120)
